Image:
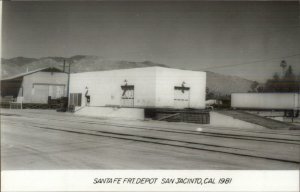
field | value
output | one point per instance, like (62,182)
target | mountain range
(217,83)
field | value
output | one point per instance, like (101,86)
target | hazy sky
(190,35)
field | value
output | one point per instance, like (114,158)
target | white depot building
(149,87)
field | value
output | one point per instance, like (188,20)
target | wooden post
(64,65)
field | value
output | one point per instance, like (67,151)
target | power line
(253,62)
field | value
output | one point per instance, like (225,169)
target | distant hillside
(15,65)
(79,63)
(217,83)
(225,85)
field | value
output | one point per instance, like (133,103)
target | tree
(209,94)
(276,77)
(290,80)
(289,73)
(287,83)
(283,65)
(254,86)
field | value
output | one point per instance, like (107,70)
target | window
(75,99)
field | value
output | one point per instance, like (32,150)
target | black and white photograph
(150,85)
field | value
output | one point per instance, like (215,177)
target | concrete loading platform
(112,112)
(258,120)
(179,115)
(223,118)
(171,115)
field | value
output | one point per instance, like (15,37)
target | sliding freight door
(181,97)
(127,97)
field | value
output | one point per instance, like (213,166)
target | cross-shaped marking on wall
(126,87)
(182,88)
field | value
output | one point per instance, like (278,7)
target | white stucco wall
(153,86)
(265,100)
(105,86)
(47,78)
(167,79)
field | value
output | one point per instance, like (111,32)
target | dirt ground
(46,139)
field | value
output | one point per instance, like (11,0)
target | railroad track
(189,132)
(161,140)
(94,120)
(254,135)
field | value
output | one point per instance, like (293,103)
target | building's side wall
(104,87)
(30,95)
(166,79)
(264,100)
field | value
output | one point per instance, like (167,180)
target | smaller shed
(36,86)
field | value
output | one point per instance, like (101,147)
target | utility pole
(68,88)
(64,65)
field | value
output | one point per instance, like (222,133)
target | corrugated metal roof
(29,72)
